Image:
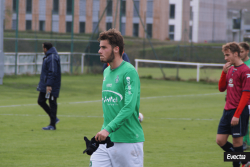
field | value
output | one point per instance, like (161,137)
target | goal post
(198,65)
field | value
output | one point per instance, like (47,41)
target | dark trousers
(51,110)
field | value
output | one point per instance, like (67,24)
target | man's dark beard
(111,58)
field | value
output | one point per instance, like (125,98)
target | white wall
(177,21)
(195,22)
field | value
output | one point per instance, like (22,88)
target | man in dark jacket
(50,83)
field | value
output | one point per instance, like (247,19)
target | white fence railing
(31,62)
(199,65)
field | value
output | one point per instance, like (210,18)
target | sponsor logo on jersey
(248,75)
(230,84)
(109,85)
(110,99)
(129,86)
(128,80)
(113,99)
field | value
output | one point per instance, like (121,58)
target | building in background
(178,20)
(209,20)
(238,20)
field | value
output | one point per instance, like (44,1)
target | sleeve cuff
(107,128)
(107,131)
(49,83)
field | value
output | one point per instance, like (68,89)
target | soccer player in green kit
(244,51)
(120,103)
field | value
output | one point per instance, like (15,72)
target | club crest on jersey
(248,75)
(117,79)
(104,79)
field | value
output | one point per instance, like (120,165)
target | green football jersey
(247,63)
(121,102)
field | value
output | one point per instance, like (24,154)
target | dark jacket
(51,73)
(124,57)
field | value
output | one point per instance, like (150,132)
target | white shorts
(120,155)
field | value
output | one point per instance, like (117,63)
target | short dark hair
(244,45)
(47,45)
(232,46)
(114,37)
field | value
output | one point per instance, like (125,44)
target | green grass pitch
(180,123)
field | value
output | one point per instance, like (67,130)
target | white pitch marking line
(80,116)
(189,119)
(181,95)
(153,97)
(85,102)
(29,115)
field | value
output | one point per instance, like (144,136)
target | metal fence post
(16,43)
(136,65)
(72,37)
(1,42)
(198,73)
(177,69)
(82,63)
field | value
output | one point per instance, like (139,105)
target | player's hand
(234,121)
(48,89)
(226,67)
(102,135)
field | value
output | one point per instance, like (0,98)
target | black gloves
(92,145)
